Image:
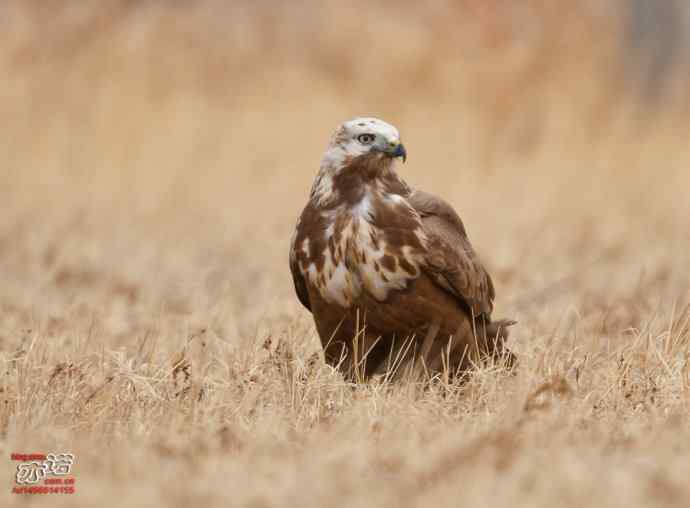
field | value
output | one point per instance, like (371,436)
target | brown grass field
(154,158)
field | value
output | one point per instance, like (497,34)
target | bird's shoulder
(429,206)
(451,260)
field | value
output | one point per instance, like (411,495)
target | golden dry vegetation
(153,159)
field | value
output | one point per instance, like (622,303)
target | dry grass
(154,159)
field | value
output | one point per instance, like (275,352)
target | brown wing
(297,277)
(452,262)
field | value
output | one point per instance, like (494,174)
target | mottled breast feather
(366,238)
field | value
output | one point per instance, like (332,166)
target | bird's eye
(366,139)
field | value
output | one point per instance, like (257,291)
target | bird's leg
(464,350)
(369,348)
(424,360)
(414,364)
(397,356)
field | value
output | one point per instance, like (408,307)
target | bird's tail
(500,328)
(494,335)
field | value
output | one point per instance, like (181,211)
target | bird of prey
(388,271)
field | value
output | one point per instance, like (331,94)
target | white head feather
(351,139)
(346,144)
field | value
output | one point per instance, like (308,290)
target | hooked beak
(397,149)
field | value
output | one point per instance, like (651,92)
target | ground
(148,323)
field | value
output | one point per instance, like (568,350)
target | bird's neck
(348,182)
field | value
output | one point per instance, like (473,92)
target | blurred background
(155,155)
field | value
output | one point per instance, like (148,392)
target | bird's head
(362,149)
(363,136)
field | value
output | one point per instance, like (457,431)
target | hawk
(388,271)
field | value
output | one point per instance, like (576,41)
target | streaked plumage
(387,271)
